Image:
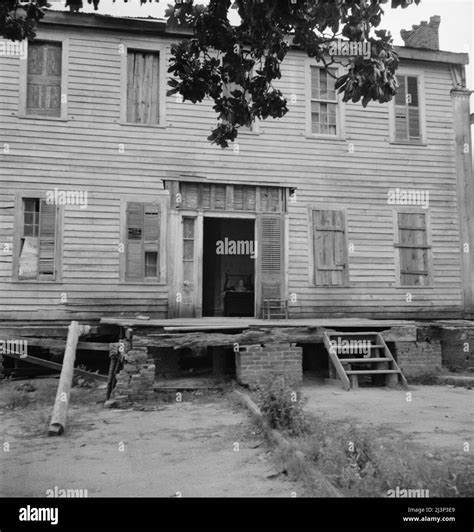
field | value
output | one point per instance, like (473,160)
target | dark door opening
(229,257)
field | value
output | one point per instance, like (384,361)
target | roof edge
(158,27)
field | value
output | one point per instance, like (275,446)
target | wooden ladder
(348,362)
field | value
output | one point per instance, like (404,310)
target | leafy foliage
(237,65)
(281,405)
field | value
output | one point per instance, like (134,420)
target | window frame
(54,37)
(140,46)
(340,105)
(419,74)
(18,232)
(311,250)
(163,201)
(397,247)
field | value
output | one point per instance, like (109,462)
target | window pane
(412,83)
(188,249)
(151,264)
(28,263)
(315,83)
(400,97)
(188,227)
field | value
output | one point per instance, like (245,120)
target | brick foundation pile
(415,358)
(135,380)
(255,361)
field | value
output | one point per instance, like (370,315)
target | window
(188,250)
(143,241)
(413,249)
(323,101)
(407,110)
(37,251)
(329,247)
(44,79)
(143,87)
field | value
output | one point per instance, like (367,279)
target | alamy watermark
(339,47)
(236,247)
(407,493)
(342,346)
(14,347)
(66,493)
(400,196)
(14,48)
(67,197)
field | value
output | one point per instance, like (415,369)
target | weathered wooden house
(113,204)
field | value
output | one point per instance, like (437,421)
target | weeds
(281,405)
(358,464)
(428,378)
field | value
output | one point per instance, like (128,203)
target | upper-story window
(407,110)
(143,87)
(323,101)
(44,76)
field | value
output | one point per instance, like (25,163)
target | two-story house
(114,203)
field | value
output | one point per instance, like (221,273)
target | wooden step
(352,333)
(372,371)
(366,360)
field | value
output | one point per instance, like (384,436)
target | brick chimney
(423,35)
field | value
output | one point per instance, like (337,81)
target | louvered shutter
(329,247)
(47,242)
(407,109)
(43,94)
(270,255)
(135,253)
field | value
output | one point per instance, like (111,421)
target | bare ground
(437,418)
(186,447)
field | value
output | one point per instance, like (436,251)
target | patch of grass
(281,404)
(356,462)
(428,378)
(13,399)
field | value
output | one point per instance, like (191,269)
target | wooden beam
(54,365)
(302,335)
(58,419)
(61,344)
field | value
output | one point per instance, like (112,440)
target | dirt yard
(438,418)
(188,447)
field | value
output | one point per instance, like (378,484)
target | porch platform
(215,324)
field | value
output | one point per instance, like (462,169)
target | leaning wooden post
(58,419)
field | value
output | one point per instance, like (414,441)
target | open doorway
(229,257)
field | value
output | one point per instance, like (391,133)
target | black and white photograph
(236,264)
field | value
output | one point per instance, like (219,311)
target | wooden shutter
(143,87)
(329,248)
(143,240)
(47,242)
(135,253)
(270,255)
(414,248)
(407,109)
(43,93)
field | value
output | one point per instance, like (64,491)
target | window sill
(153,282)
(33,282)
(407,143)
(41,117)
(334,138)
(431,287)
(133,124)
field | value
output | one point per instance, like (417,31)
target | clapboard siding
(83,153)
